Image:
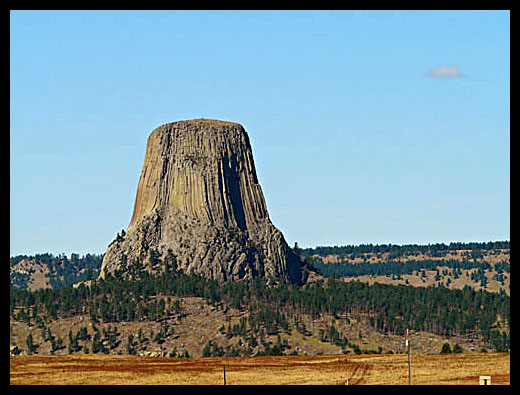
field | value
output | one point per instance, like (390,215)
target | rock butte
(199,196)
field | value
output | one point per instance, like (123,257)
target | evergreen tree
(457,349)
(297,250)
(446,348)
(96,343)
(154,256)
(170,261)
(130,349)
(31,346)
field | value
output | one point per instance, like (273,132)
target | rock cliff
(198,196)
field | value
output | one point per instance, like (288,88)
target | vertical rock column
(198,195)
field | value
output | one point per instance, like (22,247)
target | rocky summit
(198,196)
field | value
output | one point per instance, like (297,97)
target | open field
(447,279)
(324,369)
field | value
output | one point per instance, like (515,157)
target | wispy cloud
(445,72)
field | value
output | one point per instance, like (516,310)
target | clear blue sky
(366,127)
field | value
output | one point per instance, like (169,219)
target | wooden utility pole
(224,369)
(407,343)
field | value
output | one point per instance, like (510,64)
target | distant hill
(479,266)
(157,314)
(40,271)
(396,250)
(459,296)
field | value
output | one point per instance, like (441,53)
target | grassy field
(415,280)
(325,369)
(429,280)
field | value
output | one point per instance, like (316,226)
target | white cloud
(445,72)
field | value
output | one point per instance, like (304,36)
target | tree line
(391,308)
(348,269)
(398,250)
(63,271)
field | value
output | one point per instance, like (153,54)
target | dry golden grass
(325,369)
(429,280)
(492,256)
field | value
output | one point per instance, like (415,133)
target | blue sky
(366,126)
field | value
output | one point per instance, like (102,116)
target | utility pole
(224,368)
(407,343)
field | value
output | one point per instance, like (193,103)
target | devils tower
(198,196)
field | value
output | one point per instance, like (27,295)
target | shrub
(446,349)
(457,349)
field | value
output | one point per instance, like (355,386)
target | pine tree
(96,342)
(446,349)
(457,349)
(130,349)
(206,351)
(31,347)
(170,261)
(69,347)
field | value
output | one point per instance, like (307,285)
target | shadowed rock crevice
(198,195)
(233,181)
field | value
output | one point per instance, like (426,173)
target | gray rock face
(199,196)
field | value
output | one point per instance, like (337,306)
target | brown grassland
(415,280)
(428,369)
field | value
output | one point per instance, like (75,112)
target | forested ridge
(397,250)
(62,271)
(478,265)
(391,308)
(344,269)
(65,271)
(272,309)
